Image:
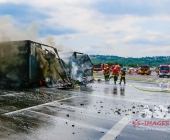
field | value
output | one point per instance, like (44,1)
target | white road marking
(116,129)
(37,106)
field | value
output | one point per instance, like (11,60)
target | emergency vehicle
(99,67)
(144,69)
(164,70)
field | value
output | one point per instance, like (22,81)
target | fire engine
(144,69)
(99,67)
(164,70)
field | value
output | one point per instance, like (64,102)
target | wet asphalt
(99,111)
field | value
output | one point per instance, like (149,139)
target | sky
(128,28)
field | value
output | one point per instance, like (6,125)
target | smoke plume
(10,31)
(10,51)
(51,41)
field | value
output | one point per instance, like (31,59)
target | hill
(130,61)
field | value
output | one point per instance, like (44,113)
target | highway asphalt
(98,112)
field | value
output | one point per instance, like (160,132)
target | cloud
(68,37)
(118,27)
(113,41)
(159,49)
(22,12)
(152,39)
(45,30)
(133,7)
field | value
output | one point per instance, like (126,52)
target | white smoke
(50,40)
(9,31)
(74,70)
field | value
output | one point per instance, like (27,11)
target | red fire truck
(164,70)
(99,67)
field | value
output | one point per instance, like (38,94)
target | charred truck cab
(79,65)
(27,63)
(164,70)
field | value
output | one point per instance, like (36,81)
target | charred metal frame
(28,72)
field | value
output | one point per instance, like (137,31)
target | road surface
(99,112)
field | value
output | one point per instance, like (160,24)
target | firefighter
(122,76)
(115,74)
(106,74)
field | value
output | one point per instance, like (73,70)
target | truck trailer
(27,63)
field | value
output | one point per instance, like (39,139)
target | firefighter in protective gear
(106,73)
(122,76)
(115,74)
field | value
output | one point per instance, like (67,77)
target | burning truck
(30,64)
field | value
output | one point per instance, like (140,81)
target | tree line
(154,61)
